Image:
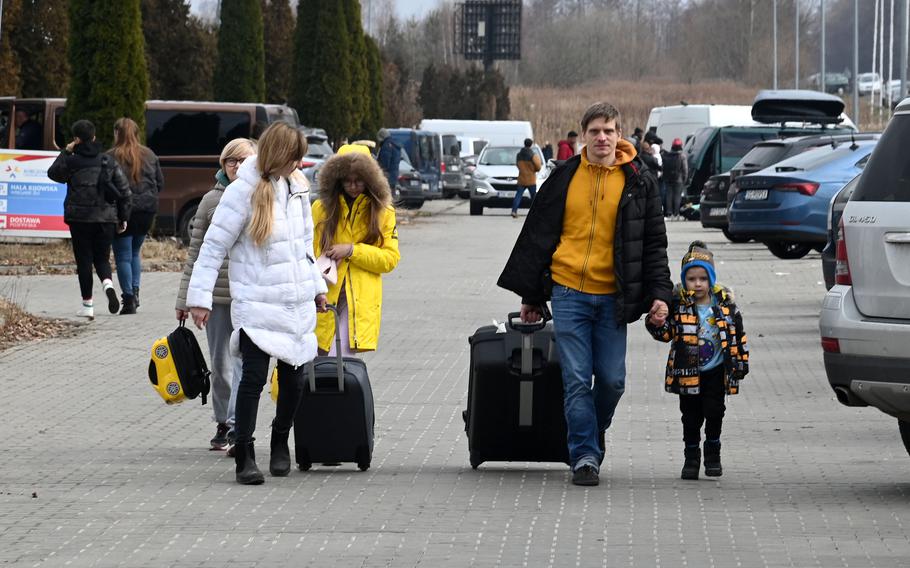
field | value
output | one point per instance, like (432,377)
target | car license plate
(425,186)
(454,168)
(756,194)
(718,212)
(510,194)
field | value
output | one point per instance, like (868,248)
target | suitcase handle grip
(516,324)
(311,366)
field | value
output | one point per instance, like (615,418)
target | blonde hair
(280,146)
(127,150)
(235,149)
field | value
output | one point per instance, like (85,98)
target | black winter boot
(280,460)
(136,296)
(712,459)
(692,463)
(245,459)
(129,305)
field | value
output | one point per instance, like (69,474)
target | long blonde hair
(280,146)
(127,150)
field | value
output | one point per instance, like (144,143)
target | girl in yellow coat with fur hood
(355,227)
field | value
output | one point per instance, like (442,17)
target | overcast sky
(403,8)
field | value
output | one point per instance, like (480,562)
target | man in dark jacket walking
(96,207)
(389,157)
(594,244)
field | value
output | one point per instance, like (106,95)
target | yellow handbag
(177,369)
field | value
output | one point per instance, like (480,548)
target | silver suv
(865,318)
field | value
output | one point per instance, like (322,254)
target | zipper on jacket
(351,307)
(584,265)
(287,208)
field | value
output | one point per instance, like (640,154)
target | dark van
(779,114)
(187,137)
(424,149)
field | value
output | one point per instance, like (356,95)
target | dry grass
(18,326)
(553,111)
(56,257)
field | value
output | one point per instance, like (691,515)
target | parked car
(866,83)
(495,178)
(835,211)
(785,206)
(452,178)
(717,195)
(424,149)
(784,114)
(468,165)
(187,137)
(318,151)
(411,189)
(865,317)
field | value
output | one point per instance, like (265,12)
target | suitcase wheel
(475,460)
(304,466)
(363,466)
(363,458)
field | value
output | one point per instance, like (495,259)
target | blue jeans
(519,192)
(129,264)
(590,342)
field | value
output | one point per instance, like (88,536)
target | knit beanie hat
(699,255)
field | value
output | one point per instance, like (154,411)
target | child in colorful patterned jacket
(708,358)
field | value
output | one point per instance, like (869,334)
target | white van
(681,121)
(494,132)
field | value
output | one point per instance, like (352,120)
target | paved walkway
(96,471)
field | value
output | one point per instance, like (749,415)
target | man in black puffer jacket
(594,244)
(96,207)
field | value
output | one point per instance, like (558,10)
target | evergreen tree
(360,76)
(278,23)
(172,35)
(322,75)
(41,41)
(240,71)
(373,120)
(9,60)
(107,59)
(428,96)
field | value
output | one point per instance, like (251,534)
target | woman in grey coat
(226,368)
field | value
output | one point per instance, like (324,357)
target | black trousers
(706,408)
(253,378)
(92,247)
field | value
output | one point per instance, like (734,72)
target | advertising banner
(31,205)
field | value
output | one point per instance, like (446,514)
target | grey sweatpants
(226,368)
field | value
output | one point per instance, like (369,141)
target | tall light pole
(796,68)
(905,31)
(856,61)
(824,83)
(774,41)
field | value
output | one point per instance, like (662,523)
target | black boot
(692,463)
(245,458)
(129,305)
(280,460)
(136,296)
(712,459)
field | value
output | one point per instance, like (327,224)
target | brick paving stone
(124,480)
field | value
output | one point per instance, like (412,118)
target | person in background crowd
(547,151)
(528,165)
(356,229)
(566,148)
(96,207)
(389,156)
(143,172)
(28,131)
(263,222)
(676,172)
(709,355)
(601,265)
(226,368)
(635,139)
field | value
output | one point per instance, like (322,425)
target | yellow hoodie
(583,259)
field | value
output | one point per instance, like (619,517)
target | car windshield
(499,156)
(318,148)
(762,156)
(814,159)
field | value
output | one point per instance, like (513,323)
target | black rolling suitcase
(334,422)
(515,396)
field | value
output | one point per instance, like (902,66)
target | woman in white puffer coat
(264,224)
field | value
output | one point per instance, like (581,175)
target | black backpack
(672,166)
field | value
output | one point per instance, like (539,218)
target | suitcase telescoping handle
(526,382)
(339,365)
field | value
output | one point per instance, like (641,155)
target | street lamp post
(855,60)
(796,68)
(774,41)
(824,83)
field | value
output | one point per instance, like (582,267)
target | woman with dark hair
(143,172)
(355,228)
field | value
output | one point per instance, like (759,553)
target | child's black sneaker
(692,463)
(712,459)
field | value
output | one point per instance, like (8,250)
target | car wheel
(476,208)
(412,204)
(185,225)
(788,251)
(736,238)
(904,426)
(466,194)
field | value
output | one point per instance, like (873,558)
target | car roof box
(792,105)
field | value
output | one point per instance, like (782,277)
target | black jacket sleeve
(124,196)
(655,269)
(59,170)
